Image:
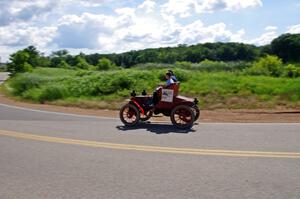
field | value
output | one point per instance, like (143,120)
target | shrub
(291,71)
(64,64)
(183,64)
(269,66)
(151,66)
(52,92)
(32,94)
(104,64)
(46,93)
(25,82)
(81,63)
(208,65)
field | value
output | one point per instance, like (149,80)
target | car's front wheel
(129,115)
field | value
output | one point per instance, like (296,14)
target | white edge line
(111,118)
(57,113)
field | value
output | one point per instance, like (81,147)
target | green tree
(81,62)
(34,56)
(19,62)
(104,64)
(291,71)
(287,47)
(269,66)
(63,64)
(57,57)
(44,61)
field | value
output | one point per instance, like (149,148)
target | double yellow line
(172,150)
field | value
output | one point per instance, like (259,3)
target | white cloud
(184,8)
(20,11)
(181,7)
(294,29)
(238,4)
(148,6)
(84,31)
(271,28)
(265,38)
(5,51)
(196,32)
(21,35)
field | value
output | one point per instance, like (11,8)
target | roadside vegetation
(109,88)
(221,75)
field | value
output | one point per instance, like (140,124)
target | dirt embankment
(237,115)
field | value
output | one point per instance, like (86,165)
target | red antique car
(183,111)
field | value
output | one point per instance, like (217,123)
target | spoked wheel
(183,117)
(146,116)
(129,115)
(196,111)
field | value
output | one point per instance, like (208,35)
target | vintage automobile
(183,111)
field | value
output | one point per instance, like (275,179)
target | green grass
(108,89)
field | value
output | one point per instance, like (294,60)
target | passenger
(173,76)
(169,76)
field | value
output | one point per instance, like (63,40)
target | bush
(104,64)
(81,63)
(64,64)
(46,93)
(269,66)
(208,65)
(26,81)
(183,64)
(291,71)
(214,66)
(53,92)
(152,66)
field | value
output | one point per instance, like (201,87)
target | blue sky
(106,26)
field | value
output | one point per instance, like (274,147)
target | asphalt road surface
(3,76)
(55,155)
(51,155)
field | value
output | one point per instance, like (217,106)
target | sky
(114,26)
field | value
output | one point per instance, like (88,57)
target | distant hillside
(286,47)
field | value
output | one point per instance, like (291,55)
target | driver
(169,81)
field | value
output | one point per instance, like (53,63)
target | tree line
(286,47)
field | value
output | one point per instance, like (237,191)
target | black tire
(147,116)
(196,112)
(129,115)
(182,117)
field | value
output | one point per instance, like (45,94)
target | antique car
(183,111)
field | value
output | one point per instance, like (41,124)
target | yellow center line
(191,151)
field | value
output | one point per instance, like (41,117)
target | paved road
(3,76)
(49,155)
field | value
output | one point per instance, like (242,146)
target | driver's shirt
(169,82)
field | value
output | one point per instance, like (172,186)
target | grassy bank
(108,89)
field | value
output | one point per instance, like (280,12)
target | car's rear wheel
(129,115)
(183,117)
